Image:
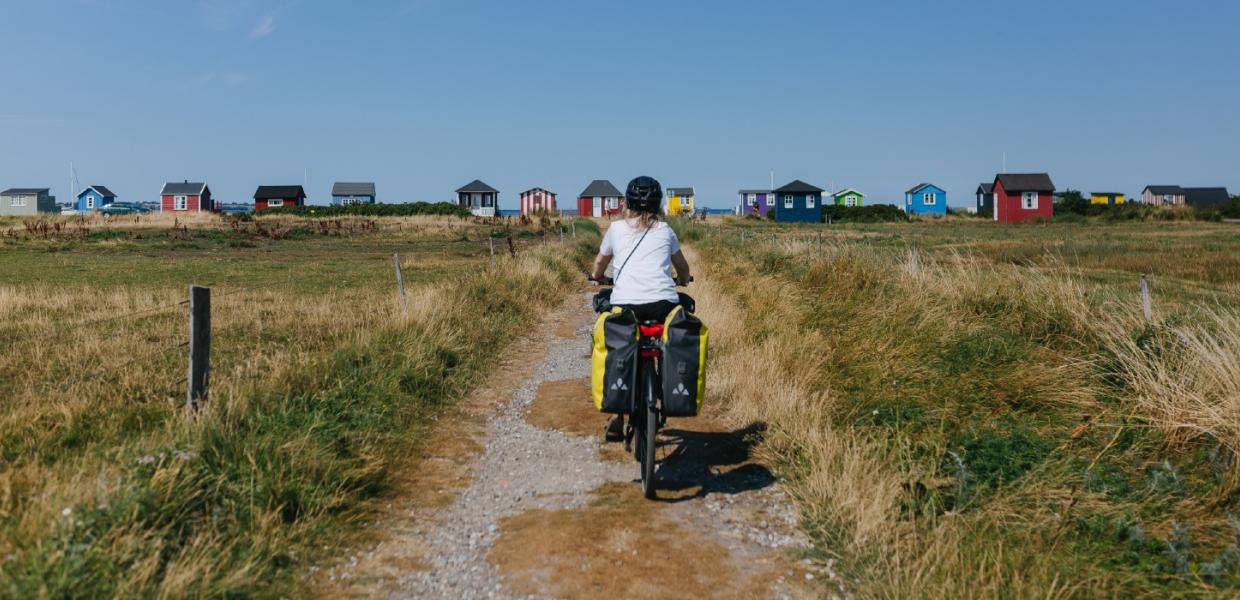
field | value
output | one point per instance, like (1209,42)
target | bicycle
(645,413)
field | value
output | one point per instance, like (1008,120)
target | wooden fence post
(573,224)
(1146,307)
(400,286)
(512,248)
(491,249)
(561,234)
(198,378)
(914,266)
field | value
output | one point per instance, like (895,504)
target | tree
(1072,201)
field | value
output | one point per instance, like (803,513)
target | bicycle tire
(650,433)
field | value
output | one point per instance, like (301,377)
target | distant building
(754,202)
(1162,195)
(94,198)
(1023,197)
(187,196)
(536,200)
(345,193)
(27,201)
(798,202)
(985,198)
(481,199)
(600,199)
(1112,198)
(848,197)
(679,201)
(925,199)
(1206,196)
(275,196)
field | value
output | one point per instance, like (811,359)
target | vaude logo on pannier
(620,386)
(680,390)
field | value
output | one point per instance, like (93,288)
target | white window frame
(1025,200)
(686,200)
(613,203)
(809,200)
(929,199)
(850,200)
(90,201)
(18,201)
(770,200)
(788,200)
(180,203)
(273,202)
(753,200)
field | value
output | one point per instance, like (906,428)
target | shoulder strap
(631,253)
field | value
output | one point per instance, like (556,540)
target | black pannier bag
(613,373)
(684,363)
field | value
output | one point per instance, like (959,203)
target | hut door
(598,206)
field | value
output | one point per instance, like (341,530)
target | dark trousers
(654,311)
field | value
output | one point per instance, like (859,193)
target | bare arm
(600,266)
(682,268)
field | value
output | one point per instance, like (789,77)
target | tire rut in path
(549,511)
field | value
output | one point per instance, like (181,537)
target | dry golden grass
(1184,378)
(108,488)
(805,333)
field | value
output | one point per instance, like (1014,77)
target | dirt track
(516,496)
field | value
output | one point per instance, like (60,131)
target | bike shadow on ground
(701,463)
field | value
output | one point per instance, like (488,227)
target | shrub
(878,213)
(372,210)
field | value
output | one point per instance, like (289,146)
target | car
(123,208)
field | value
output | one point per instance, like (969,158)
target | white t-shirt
(647,276)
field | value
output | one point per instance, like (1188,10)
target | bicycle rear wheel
(649,433)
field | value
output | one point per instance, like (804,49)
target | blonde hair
(645,220)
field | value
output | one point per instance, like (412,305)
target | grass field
(1000,421)
(319,383)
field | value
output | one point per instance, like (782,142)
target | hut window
(90,202)
(180,203)
(809,201)
(929,199)
(275,202)
(788,201)
(770,199)
(1029,200)
(753,199)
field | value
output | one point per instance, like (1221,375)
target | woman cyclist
(645,250)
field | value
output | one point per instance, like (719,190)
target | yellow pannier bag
(684,363)
(613,373)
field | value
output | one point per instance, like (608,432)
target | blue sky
(422,96)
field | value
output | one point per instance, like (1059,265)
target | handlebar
(610,281)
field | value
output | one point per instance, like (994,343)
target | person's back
(643,261)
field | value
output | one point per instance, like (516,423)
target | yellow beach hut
(1106,198)
(679,201)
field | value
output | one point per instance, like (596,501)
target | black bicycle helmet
(644,195)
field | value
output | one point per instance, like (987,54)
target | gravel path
(523,467)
